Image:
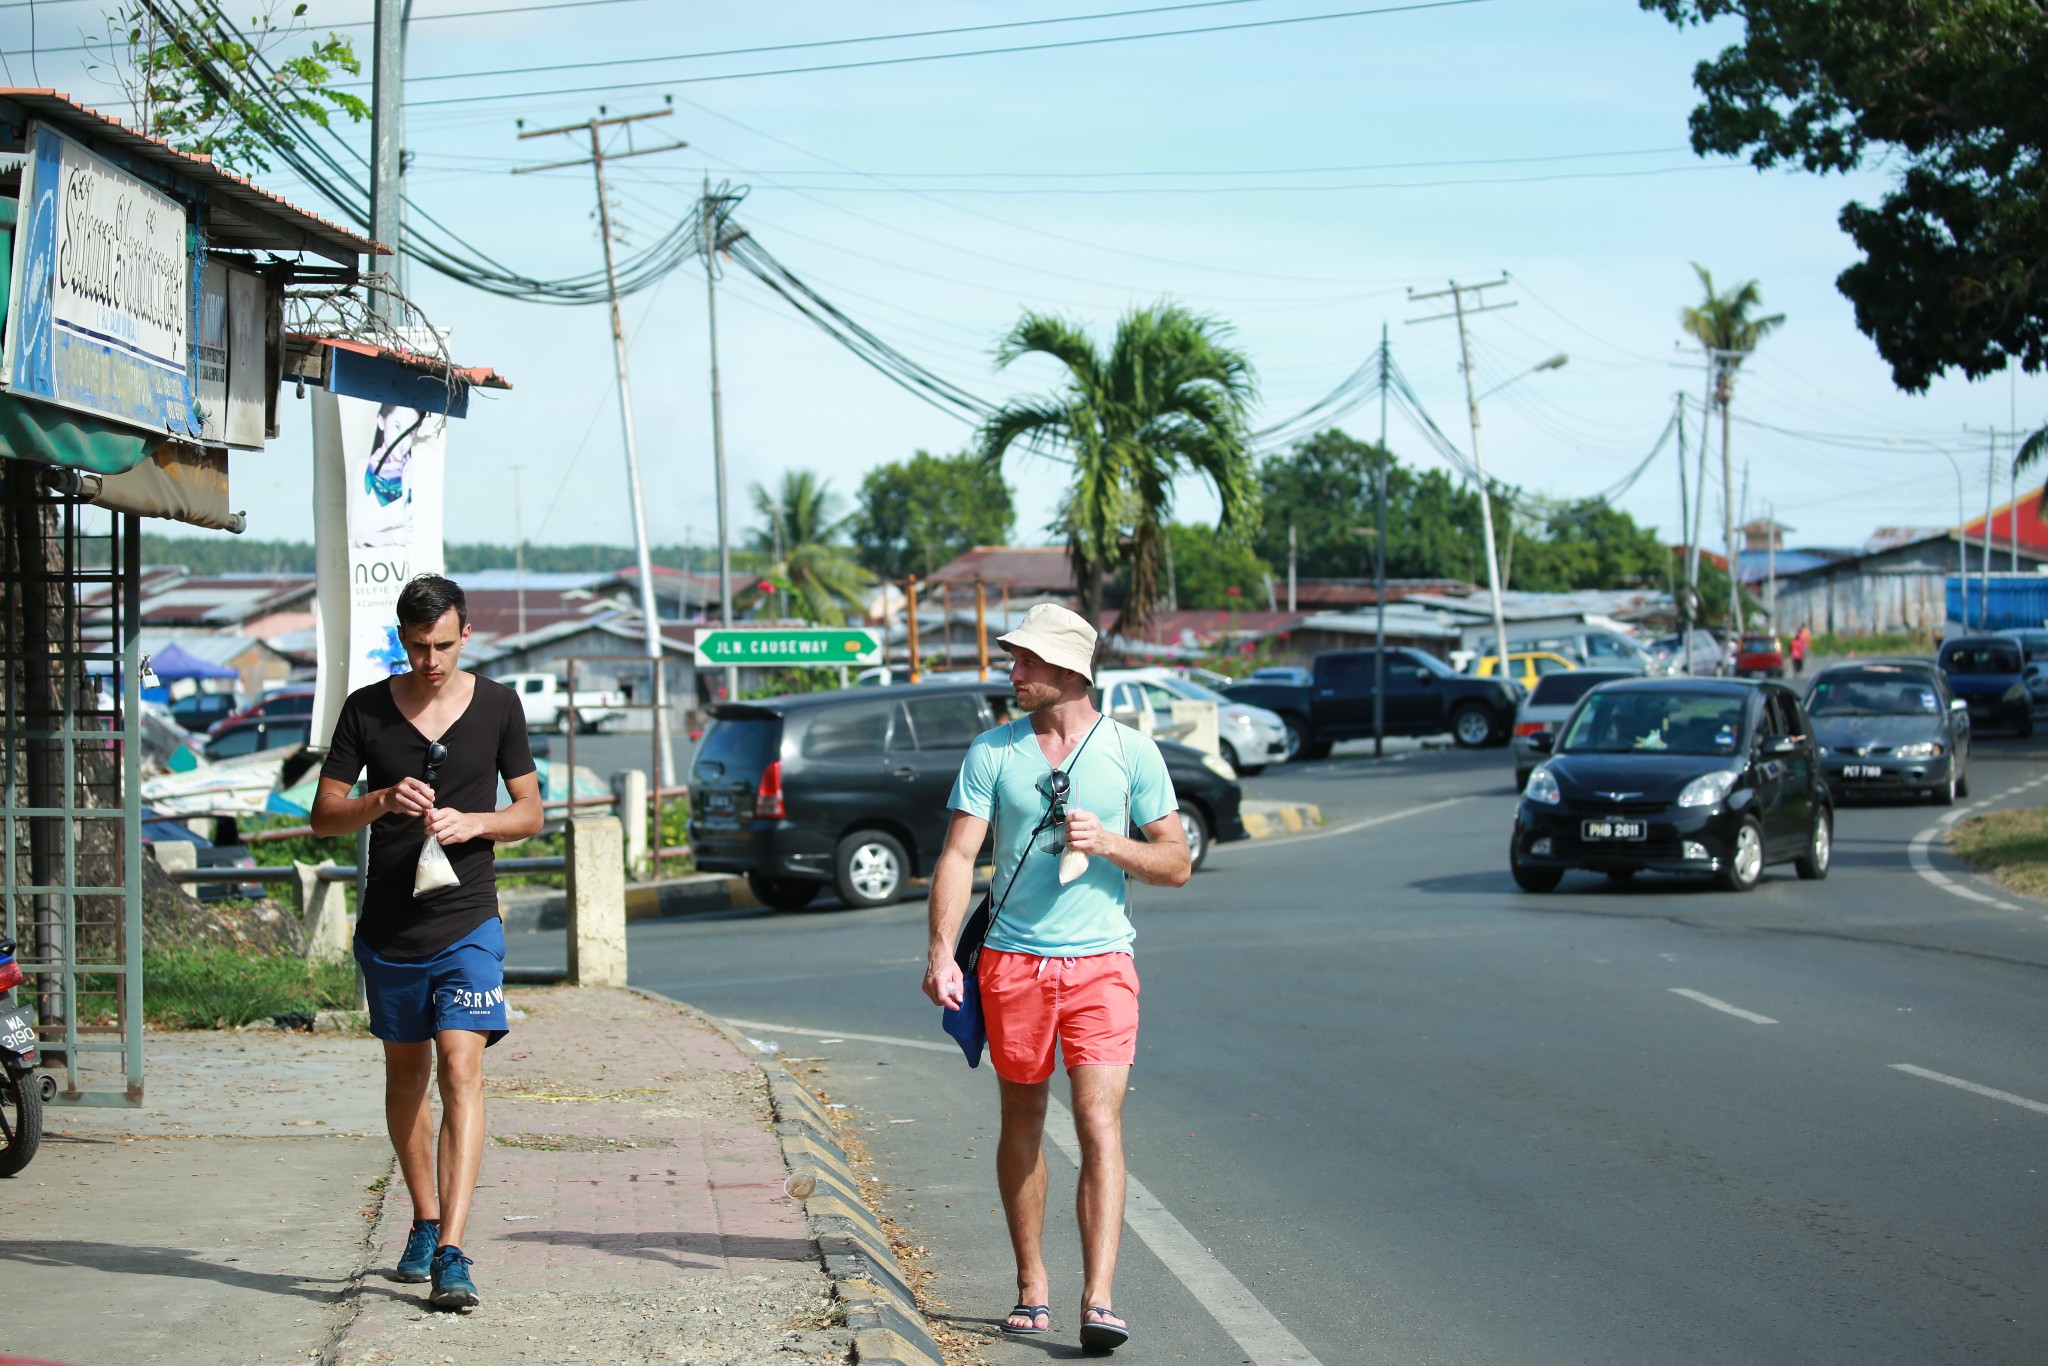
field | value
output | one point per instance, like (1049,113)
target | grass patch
(1830,646)
(212,988)
(2012,846)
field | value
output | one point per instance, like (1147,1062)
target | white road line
(1919,855)
(1713,1003)
(1290,841)
(1263,1339)
(2008,1097)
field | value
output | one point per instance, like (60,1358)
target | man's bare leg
(408,1072)
(1020,1176)
(461,1055)
(1099,1196)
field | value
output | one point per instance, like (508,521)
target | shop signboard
(101,300)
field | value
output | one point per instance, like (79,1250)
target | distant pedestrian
(435,742)
(1059,782)
(1802,640)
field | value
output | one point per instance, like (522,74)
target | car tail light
(768,801)
(1530,728)
(10,975)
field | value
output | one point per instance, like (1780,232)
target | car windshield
(1187,687)
(1429,662)
(1632,722)
(1872,692)
(1999,658)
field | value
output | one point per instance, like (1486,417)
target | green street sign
(790,647)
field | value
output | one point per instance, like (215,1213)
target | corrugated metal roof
(240,216)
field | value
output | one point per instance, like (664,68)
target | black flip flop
(1103,1337)
(1032,1312)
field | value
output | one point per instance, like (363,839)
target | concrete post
(323,914)
(1201,725)
(174,856)
(597,902)
(629,796)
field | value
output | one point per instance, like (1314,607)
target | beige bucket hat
(1056,636)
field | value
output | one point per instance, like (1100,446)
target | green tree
(915,515)
(1168,398)
(809,568)
(189,82)
(1947,95)
(1590,545)
(1216,572)
(1727,328)
(1323,487)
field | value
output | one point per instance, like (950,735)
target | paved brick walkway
(632,1183)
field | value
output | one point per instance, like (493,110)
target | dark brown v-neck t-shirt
(487,742)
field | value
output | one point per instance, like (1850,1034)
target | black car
(1989,674)
(1676,775)
(1890,729)
(1425,696)
(247,737)
(160,829)
(848,788)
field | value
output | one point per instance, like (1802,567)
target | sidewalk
(632,1207)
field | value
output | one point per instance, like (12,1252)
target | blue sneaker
(453,1289)
(418,1260)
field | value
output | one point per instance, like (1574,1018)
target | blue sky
(1319,171)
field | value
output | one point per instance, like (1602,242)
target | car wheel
(1531,878)
(1230,755)
(1746,865)
(870,868)
(1296,736)
(1963,783)
(1471,726)
(1522,778)
(1944,794)
(783,893)
(1820,847)
(1197,831)
(2027,726)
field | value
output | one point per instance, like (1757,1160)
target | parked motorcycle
(21,1090)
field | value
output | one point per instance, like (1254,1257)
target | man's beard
(1038,696)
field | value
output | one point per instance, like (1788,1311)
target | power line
(1419,5)
(352,23)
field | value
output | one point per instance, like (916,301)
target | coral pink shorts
(1089,1005)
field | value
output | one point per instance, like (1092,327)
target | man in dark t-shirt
(434,743)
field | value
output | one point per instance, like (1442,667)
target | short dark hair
(426,598)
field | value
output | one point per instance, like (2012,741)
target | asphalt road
(1388,1108)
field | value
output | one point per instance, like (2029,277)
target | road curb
(1264,820)
(867,1280)
(698,894)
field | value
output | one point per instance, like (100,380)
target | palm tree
(1724,327)
(1169,398)
(800,541)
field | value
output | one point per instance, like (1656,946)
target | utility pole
(519,555)
(387,147)
(1990,493)
(710,238)
(1456,293)
(636,499)
(1771,559)
(1379,566)
(1685,598)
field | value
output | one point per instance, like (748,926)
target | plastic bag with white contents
(434,871)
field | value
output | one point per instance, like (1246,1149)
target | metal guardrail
(338,872)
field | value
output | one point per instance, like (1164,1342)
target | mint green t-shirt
(1119,776)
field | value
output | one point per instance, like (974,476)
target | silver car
(1546,709)
(1252,737)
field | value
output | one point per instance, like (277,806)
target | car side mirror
(1542,741)
(1957,704)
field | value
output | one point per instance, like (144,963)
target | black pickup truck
(1424,697)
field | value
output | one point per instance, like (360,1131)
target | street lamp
(1962,541)
(1500,620)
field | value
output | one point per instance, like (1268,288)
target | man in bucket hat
(1061,786)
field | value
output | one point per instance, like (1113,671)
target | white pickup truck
(547,707)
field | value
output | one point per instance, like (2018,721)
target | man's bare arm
(337,813)
(952,886)
(1161,858)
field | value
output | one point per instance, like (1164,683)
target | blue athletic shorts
(461,987)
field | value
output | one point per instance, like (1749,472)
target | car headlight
(1243,718)
(1919,749)
(1216,766)
(1542,787)
(1709,789)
